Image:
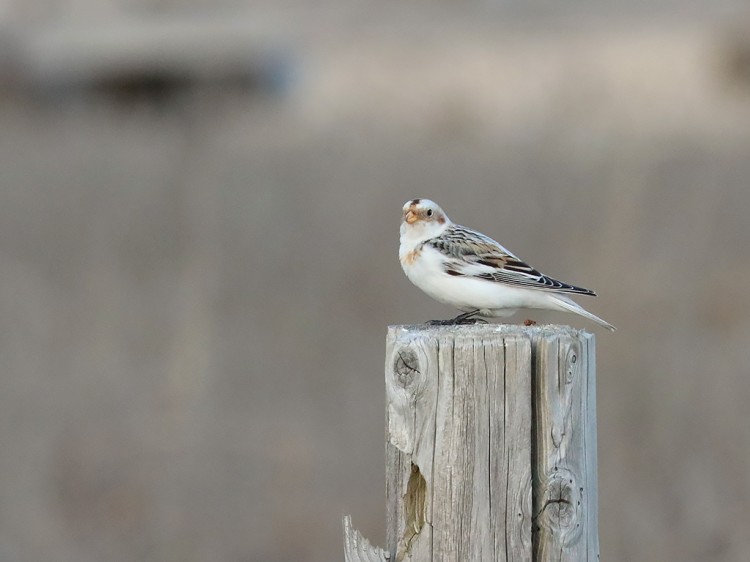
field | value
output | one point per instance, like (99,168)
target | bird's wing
(471,254)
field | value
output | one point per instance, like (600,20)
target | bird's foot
(529,322)
(460,320)
(454,322)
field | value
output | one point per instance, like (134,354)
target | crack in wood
(414,507)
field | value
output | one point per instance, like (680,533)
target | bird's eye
(429,212)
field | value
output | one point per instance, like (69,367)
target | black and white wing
(471,254)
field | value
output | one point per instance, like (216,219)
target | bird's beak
(410,217)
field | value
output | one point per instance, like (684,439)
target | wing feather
(472,254)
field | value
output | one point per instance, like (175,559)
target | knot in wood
(561,507)
(571,364)
(405,366)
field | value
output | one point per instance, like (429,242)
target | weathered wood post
(490,446)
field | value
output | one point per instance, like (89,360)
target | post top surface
(490,329)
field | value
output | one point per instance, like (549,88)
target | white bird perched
(470,271)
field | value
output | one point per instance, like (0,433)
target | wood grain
(565,481)
(490,444)
(459,443)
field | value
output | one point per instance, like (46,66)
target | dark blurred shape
(147,61)
(737,56)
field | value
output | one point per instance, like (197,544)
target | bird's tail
(571,306)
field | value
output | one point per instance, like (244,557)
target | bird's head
(423,218)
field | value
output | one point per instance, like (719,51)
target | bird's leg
(465,318)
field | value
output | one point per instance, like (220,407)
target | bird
(472,272)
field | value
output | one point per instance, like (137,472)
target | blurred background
(199,211)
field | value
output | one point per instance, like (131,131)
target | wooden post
(564,449)
(490,444)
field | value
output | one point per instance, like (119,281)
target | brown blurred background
(199,209)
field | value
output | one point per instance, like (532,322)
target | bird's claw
(473,321)
(458,321)
(466,322)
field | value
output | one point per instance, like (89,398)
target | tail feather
(571,306)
